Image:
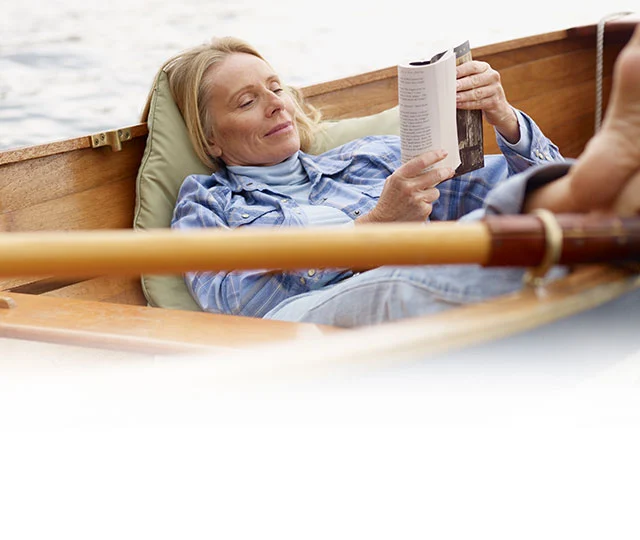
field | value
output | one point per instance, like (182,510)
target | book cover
(469,124)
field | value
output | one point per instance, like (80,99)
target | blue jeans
(391,293)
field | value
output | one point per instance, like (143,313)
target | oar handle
(523,240)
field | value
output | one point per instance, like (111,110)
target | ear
(215,149)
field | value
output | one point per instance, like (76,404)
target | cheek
(290,107)
(236,134)
(230,130)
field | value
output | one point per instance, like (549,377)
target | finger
(471,68)
(476,74)
(489,77)
(475,94)
(468,82)
(432,178)
(426,210)
(485,104)
(480,80)
(431,195)
(418,164)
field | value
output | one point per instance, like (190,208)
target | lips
(279,128)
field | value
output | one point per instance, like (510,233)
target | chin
(286,152)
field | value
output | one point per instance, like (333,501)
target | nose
(274,104)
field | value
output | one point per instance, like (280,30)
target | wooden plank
(114,289)
(139,328)
(121,290)
(36,181)
(565,115)
(58,147)
(352,101)
(37,286)
(105,206)
(556,112)
(21,282)
(548,75)
(501,58)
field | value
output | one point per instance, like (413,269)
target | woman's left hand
(479,87)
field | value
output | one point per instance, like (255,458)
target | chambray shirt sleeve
(251,293)
(509,197)
(534,147)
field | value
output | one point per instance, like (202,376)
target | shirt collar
(289,173)
(315,166)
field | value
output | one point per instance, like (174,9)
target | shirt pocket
(374,190)
(253,215)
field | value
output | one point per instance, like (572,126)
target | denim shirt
(349,178)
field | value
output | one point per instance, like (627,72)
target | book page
(427,108)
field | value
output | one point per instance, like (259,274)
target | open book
(429,119)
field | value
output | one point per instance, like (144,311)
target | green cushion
(338,132)
(169,158)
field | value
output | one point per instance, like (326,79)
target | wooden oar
(526,240)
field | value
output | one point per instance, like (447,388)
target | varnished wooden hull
(69,185)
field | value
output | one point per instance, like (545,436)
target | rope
(599,62)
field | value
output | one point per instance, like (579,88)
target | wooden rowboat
(73,186)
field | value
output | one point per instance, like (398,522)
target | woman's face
(253,117)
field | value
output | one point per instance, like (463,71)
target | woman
(254,132)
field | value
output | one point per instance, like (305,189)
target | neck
(287,172)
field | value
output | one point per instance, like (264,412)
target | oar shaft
(128,252)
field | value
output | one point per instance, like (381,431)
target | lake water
(74,67)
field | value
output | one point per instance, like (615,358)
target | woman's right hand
(409,193)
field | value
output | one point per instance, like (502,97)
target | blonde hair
(186,74)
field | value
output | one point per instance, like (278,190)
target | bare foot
(606,176)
